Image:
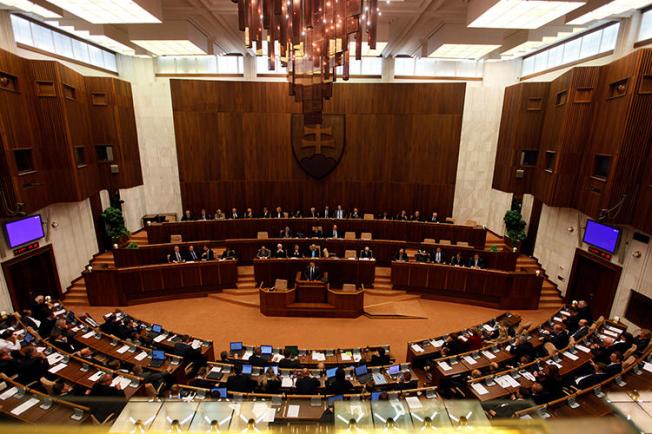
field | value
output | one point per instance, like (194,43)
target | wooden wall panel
(234,147)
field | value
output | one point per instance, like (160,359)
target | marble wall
(134,207)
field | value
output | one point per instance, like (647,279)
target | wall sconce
(538,272)
(636,254)
(571,229)
(54,225)
(149,222)
(617,318)
(514,249)
(115,246)
(89,268)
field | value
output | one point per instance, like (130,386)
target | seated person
(316,232)
(311,272)
(355,214)
(183,348)
(335,233)
(289,360)
(327,213)
(366,253)
(384,216)
(380,359)
(596,375)
(234,214)
(339,212)
(266,214)
(615,364)
(8,364)
(219,215)
(313,251)
(203,215)
(9,340)
(207,253)
(406,382)
(176,256)
(401,255)
(256,358)
(642,340)
(191,255)
(434,218)
(280,252)
(239,382)
(102,388)
(269,382)
(340,385)
(422,256)
(285,233)
(313,213)
(296,214)
(403,216)
(438,256)
(582,330)
(558,337)
(229,253)
(278,213)
(416,216)
(249,214)
(539,394)
(326,254)
(521,348)
(33,366)
(476,262)
(583,310)
(187,216)
(306,384)
(457,259)
(263,253)
(296,252)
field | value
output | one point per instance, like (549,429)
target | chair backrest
(176,238)
(471,223)
(463,244)
(281,284)
(429,241)
(350,254)
(367,216)
(286,214)
(445,242)
(349,235)
(629,361)
(47,385)
(262,235)
(348,287)
(450,220)
(365,236)
(630,351)
(550,348)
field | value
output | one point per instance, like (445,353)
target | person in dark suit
(380,359)
(306,384)
(403,216)
(582,330)
(584,311)
(289,360)
(559,337)
(457,259)
(339,212)
(249,214)
(229,253)
(327,213)
(366,253)
(207,254)
(296,252)
(434,218)
(102,408)
(183,348)
(191,255)
(311,272)
(316,232)
(266,214)
(296,214)
(355,214)
(28,319)
(203,215)
(416,216)
(313,213)
(401,255)
(8,364)
(335,233)
(340,385)
(239,382)
(313,251)
(476,262)
(278,213)
(438,256)
(642,340)
(422,256)
(522,348)
(40,308)
(285,233)
(406,382)
(256,358)
(33,366)
(280,252)
(187,216)
(263,253)
(593,378)
(176,256)
(234,214)
(615,365)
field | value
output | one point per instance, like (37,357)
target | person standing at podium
(311,272)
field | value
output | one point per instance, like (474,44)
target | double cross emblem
(323,138)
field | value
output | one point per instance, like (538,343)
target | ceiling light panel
(523,14)
(463,51)
(29,7)
(615,7)
(170,47)
(107,11)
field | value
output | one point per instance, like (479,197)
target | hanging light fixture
(313,40)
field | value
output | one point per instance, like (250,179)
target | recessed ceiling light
(32,8)
(110,11)
(517,14)
(463,51)
(536,43)
(170,47)
(614,7)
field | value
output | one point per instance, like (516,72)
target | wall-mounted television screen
(24,231)
(601,236)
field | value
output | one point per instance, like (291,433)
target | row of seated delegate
(338,213)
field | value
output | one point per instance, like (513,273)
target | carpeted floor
(222,322)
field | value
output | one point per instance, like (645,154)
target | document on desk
(247,354)
(614,329)
(269,415)
(8,393)
(123,349)
(564,312)
(570,355)
(96,376)
(346,356)
(160,338)
(470,360)
(528,375)
(478,387)
(122,381)
(416,348)
(445,366)
(88,335)
(196,344)
(60,312)
(76,329)
(260,408)
(647,366)
(22,408)
(320,357)
(556,318)
(141,356)
(502,381)
(489,355)
(610,333)
(582,348)
(287,382)
(277,358)
(488,328)
(57,368)
(216,369)
(437,343)
(54,358)
(413,402)
(293,410)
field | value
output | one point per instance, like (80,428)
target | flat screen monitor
(330,373)
(375,396)
(158,355)
(292,349)
(236,346)
(219,391)
(601,236)
(156,328)
(265,349)
(246,369)
(24,231)
(393,370)
(361,370)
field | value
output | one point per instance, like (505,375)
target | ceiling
(440,28)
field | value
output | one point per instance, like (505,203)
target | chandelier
(313,40)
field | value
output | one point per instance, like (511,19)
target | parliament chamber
(326,216)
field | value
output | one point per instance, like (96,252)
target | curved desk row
(133,285)
(340,271)
(491,288)
(339,304)
(246,248)
(380,229)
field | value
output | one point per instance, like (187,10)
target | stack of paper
(141,356)
(445,366)
(122,381)
(570,355)
(160,338)
(478,387)
(123,349)
(22,408)
(96,376)
(583,348)
(488,328)
(346,356)
(287,382)
(293,410)
(529,376)
(8,393)
(247,354)
(416,348)
(319,357)
(611,333)
(54,358)
(57,368)
(195,344)
(469,360)
(437,343)
(88,335)
(488,355)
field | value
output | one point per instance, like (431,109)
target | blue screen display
(601,236)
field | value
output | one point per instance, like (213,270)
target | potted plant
(114,224)
(515,228)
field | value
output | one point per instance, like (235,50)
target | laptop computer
(156,328)
(394,370)
(330,373)
(28,339)
(379,378)
(293,349)
(266,352)
(362,373)
(218,392)
(236,347)
(158,358)
(246,369)
(375,396)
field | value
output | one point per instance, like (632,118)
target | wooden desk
(380,229)
(339,304)
(133,285)
(311,291)
(340,271)
(490,288)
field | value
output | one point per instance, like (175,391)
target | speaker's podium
(313,298)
